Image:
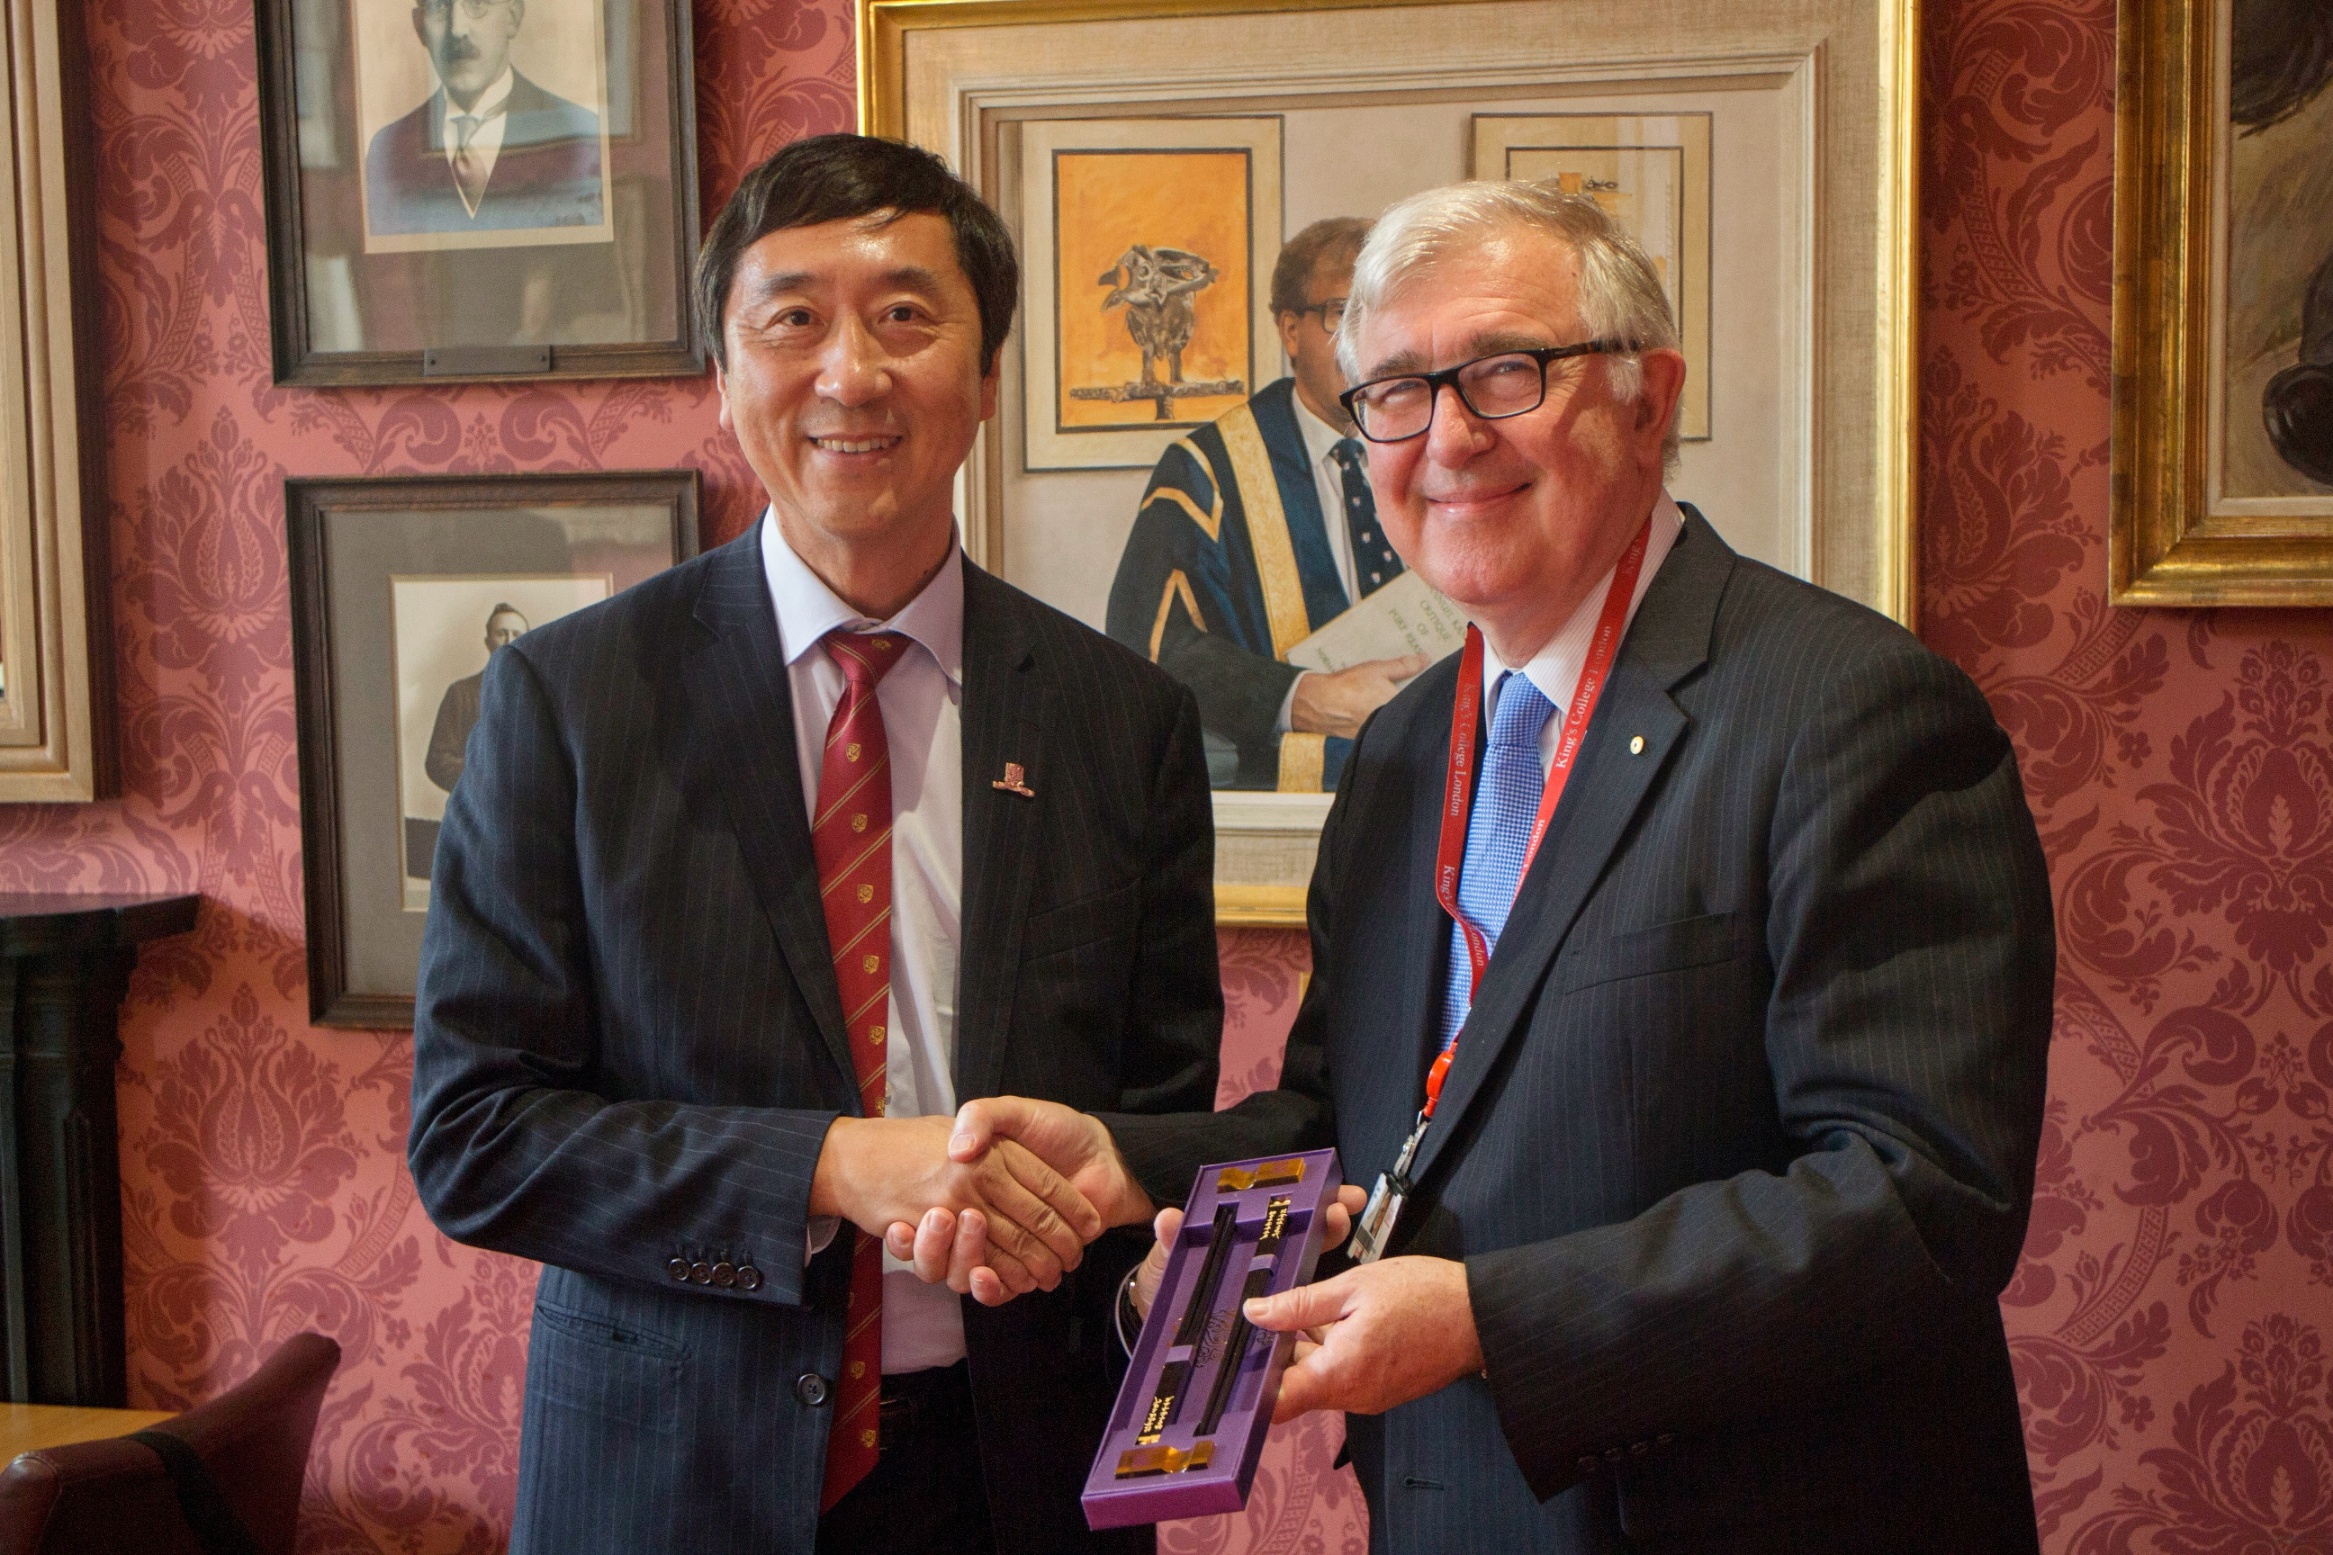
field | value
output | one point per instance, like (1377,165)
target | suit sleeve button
(678,1268)
(1639,1449)
(701,1273)
(748,1277)
(1664,1439)
(810,1388)
(1615,1454)
(1590,1463)
(725,1274)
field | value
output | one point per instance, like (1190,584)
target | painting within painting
(1152,286)
(2276,360)
(1650,173)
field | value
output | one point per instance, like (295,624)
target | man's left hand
(1387,1332)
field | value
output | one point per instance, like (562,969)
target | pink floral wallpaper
(2171,1318)
(2172,1315)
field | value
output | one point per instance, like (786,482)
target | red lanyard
(1458,792)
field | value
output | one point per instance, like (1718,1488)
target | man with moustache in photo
(1700,912)
(760,869)
(490,150)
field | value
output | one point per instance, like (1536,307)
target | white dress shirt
(486,139)
(1555,669)
(921,699)
(1328,483)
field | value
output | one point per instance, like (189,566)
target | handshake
(1003,1198)
(997,1202)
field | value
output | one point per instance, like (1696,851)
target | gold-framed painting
(2223,304)
(1720,127)
(1147,246)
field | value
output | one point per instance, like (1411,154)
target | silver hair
(1620,292)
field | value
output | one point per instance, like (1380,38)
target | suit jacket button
(701,1273)
(725,1274)
(678,1268)
(810,1388)
(748,1277)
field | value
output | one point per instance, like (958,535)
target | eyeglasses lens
(1495,386)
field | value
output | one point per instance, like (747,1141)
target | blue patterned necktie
(1506,803)
(1374,562)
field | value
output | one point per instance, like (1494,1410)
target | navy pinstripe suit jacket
(628,1043)
(1740,1139)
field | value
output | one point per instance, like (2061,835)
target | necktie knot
(865,657)
(1347,453)
(1522,711)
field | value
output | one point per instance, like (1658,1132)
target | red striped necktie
(852,840)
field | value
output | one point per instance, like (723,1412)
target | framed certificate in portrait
(475,189)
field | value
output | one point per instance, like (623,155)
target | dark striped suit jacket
(628,1043)
(1740,1139)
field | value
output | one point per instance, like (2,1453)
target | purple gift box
(1191,1415)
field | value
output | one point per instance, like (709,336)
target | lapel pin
(1011,781)
(1636,746)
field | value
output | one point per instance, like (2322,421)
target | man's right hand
(1341,702)
(874,1172)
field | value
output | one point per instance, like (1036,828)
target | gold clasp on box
(1271,1174)
(1138,1461)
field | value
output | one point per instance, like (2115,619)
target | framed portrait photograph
(472,189)
(1762,152)
(403,587)
(2223,304)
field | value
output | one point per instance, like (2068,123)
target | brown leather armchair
(223,1480)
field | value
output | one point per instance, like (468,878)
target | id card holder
(1375,1227)
(1374,1230)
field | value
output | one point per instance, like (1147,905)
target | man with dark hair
(1257,531)
(760,869)
(490,150)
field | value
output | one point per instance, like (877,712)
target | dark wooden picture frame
(369,554)
(647,206)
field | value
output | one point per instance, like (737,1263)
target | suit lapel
(1668,640)
(738,727)
(1003,721)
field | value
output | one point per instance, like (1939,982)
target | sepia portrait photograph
(404,588)
(483,122)
(443,632)
(478,188)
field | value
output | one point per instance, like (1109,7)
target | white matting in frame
(1650,172)
(1092,191)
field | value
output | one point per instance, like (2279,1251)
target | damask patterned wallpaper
(2172,1314)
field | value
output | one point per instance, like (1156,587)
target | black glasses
(1332,313)
(1509,383)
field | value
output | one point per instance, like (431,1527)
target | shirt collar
(1555,668)
(485,105)
(1319,436)
(807,609)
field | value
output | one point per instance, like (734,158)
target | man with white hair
(1702,1106)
